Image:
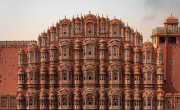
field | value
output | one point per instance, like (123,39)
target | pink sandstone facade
(90,62)
(168,39)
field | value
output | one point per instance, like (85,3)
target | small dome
(103,19)
(21,71)
(160,96)
(52,69)
(77,68)
(43,70)
(171,20)
(128,95)
(127,46)
(52,93)
(77,44)
(32,46)
(136,33)
(32,68)
(53,46)
(43,34)
(90,16)
(77,93)
(102,68)
(21,51)
(102,44)
(127,28)
(128,69)
(160,71)
(147,45)
(137,95)
(53,28)
(137,69)
(20,96)
(137,49)
(77,41)
(102,93)
(159,50)
(43,94)
(77,19)
(43,49)
(102,41)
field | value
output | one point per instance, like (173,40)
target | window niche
(162,40)
(172,40)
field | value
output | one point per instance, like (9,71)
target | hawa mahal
(95,63)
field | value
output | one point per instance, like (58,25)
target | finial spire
(89,12)
(127,23)
(102,15)
(81,14)
(171,14)
(77,15)
(53,24)
(65,17)
(114,17)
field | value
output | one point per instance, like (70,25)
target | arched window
(89,99)
(63,100)
(32,75)
(90,48)
(148,99)
(89,29)
(65,74)
(31,100)
(115,101)
(77,28)
(148,52)
(148,74)
(115,76)
(89,75)
(115,49)
(65,50)
(102,27)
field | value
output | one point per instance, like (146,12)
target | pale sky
(25,19)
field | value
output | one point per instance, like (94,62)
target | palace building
(91,62)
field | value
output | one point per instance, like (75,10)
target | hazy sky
(25,19)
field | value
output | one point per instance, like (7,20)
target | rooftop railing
(15,43)
(161,30)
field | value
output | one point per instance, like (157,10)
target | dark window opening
(114,32)
(64,32)
(172,40)
(89,31)
(89,53)
(162,40)
(171,84)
